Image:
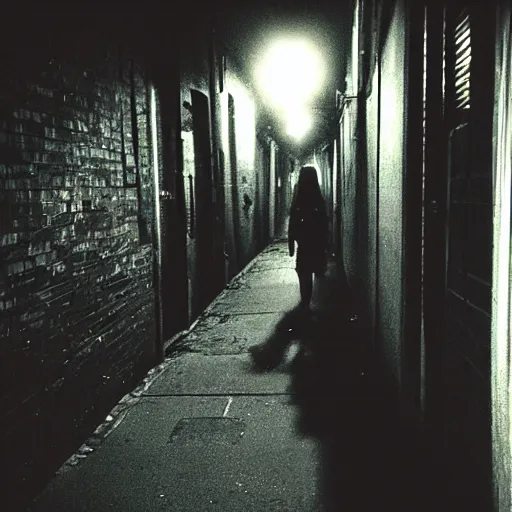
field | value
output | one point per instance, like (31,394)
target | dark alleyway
(149,165)
(212,431)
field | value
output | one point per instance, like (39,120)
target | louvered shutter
(461,61)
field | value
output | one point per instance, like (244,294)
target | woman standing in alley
(308,227)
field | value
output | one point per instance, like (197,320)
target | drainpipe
(157,229)
(377,204)
(272,191)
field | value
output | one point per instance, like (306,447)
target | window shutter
(462,61)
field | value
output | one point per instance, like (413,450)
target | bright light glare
(291,72)
(298,123)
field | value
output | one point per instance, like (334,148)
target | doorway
(203,290)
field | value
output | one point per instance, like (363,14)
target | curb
(169,345)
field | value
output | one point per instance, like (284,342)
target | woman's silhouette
(308,227)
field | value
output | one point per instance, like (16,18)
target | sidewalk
(211,430)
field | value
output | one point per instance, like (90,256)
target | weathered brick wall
(76,272)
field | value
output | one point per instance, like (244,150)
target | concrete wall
(501,347)
(247,169)
(372,160)
(77,304)
(263,162)
(369,260)
(287,171)
(243,166)
(348,191)
(391,173)
(323,160)
(241,183)
(373,217)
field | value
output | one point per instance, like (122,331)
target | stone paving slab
(230,334)
(258,278)
(269,299)
(194,373)
(140,468)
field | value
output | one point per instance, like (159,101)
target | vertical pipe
(422,341)
(158,225)
(334,204)
(272,191)
(376,333)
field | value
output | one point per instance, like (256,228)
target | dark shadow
(290,328)
(368,460)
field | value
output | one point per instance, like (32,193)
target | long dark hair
(307,191)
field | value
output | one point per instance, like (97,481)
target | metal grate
(462,61)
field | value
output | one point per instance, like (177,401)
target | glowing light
(298,123)
(291,72)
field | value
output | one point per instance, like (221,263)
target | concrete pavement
(302,426)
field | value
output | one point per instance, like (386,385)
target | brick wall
(76,272)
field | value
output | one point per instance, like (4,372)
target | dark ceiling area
(247,27)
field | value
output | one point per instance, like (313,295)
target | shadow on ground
(368,459)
